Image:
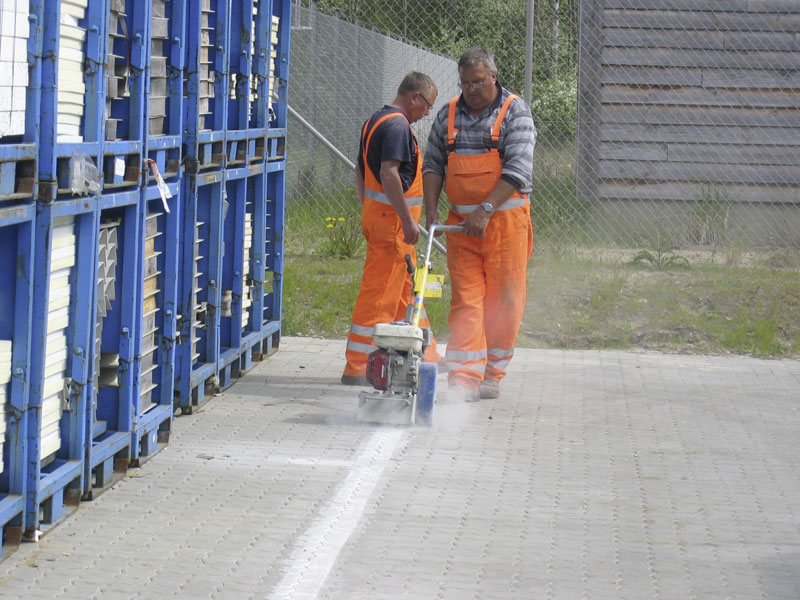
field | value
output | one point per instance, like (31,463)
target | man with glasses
(389,185)
(481,149)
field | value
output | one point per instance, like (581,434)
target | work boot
(489,389)
(459,393)
(355,380)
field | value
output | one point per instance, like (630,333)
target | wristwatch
(488,207)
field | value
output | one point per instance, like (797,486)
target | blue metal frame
(262,184)
(50,487)
(203,202)
(16,294)
(108,441)
(248,122)
(152,424)
(204,136)
(18,154)
(276,180)
(55,158)
(203,197)
(165,150)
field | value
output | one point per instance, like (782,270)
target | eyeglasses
(430,105)
(464,85)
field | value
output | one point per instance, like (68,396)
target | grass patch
(319,294)
(707,309)
(590,304)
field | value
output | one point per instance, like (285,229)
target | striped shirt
(517,138)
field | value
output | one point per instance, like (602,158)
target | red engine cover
(378,369)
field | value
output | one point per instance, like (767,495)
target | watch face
(487,207)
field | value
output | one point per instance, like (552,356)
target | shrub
(554,104)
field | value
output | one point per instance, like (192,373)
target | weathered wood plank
(699,96)
(732,59)
(783,136)
(589,71)
(750,78)
(654,76)
(702,172)
(693,5)
(737,154)
(752,6)
(759,41)
(696,115)
(773,6)
(633,151)
(699,20)
(659,38)
(755,194)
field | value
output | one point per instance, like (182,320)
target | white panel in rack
(71,59)
(14,32)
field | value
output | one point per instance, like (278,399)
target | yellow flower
(342,219)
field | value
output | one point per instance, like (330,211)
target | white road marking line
(317,549)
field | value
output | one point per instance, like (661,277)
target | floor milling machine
(404,385)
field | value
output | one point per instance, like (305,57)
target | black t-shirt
(392,140)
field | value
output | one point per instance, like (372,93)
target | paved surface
(596,475)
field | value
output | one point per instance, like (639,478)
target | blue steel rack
(110,385)
(18,158)
(157,265)
(55,474)
(16,281)
(207,80)
(157,274)
(179,105)
(250,325)
(95,56)
(101,148)
(19,153)
(276,187)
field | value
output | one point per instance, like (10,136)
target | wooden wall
(674,94)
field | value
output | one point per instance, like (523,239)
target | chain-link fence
(674,120)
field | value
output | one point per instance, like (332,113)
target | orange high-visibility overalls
(488,274)
(385,284)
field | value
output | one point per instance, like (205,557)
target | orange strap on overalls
(468,173)
(372,187)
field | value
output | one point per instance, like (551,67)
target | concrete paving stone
(625,475)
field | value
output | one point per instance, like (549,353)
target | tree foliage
(451,26)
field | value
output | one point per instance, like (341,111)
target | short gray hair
(477,56)
(416,82)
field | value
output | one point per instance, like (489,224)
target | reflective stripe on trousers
(385,285)
(488,278)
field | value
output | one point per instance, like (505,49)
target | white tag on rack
(162,186)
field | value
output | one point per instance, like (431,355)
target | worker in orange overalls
(481,148)
(389,185)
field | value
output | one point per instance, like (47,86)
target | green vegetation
(581,300)
(344,237)
(662,256)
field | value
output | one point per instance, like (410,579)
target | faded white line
(317,549)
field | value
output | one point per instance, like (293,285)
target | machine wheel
(426,393)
